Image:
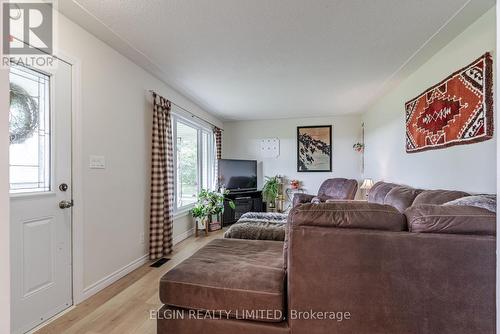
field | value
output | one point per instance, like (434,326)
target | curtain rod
(189,112)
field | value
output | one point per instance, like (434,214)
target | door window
(29,130)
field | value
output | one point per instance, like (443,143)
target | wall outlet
(142,239)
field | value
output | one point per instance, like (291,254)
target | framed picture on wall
(314,148)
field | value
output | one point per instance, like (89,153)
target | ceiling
(263,59)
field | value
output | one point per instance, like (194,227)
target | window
(194,161)
(29,127)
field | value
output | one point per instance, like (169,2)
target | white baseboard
(113,277)
(183,236)
(54,318)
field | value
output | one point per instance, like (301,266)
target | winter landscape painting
(314,148)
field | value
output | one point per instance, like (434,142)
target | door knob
(65,204)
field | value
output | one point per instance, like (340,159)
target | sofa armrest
(299,198)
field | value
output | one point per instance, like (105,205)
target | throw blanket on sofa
(258,226)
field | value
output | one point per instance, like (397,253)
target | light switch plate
(97,162)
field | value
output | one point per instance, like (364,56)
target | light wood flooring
(124,307)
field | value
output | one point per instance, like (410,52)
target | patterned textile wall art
(456,111)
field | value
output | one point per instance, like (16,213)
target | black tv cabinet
(245,201)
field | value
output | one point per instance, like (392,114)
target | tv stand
(244,201)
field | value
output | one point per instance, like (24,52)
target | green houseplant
(198,211)
(271,190)
(209,203)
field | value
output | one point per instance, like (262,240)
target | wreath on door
(23,116)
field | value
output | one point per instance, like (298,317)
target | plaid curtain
(218,142)
(218,154)
(162,180)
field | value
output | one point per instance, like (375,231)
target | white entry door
(40,190)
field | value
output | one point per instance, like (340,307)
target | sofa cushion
(488,202)
(354,214)
(401,197)
(378,192)
(428,218)
(338,188)
(438,197)
(230,275)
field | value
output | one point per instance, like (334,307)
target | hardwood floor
(124,306)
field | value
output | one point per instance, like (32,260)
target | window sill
(31,194)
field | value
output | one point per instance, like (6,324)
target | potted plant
(199,215)
(295,184)
(271,189)
(359,147)
(209,203)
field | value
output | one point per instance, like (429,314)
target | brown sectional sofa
(401,263)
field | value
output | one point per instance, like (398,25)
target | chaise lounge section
(401,263)
(236,281)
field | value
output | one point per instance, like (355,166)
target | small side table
(197,228)
(290,192)
(208,227)
(268,209)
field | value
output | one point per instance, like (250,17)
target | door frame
(77,168)
(76,249)
(76,175)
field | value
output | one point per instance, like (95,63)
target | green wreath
(23,116)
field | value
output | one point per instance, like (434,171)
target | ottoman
(230,275)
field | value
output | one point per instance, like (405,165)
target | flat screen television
(238,175)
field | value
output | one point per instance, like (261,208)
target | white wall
(241,141)
(115,122)
(468,167)
(4,204)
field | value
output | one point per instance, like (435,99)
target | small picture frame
(314,148)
